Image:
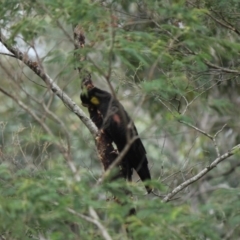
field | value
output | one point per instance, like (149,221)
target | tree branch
(213,138)
(182,186)
(224,24)
(66,153)
(38,69)
(223,69)
(93,219)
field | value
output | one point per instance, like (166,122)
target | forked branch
(203,172)
(38,69)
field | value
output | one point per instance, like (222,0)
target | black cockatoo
(117,124)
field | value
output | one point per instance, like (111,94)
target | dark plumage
(121,129)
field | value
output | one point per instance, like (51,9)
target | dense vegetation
(174,65)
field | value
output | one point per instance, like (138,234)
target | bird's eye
(94,101)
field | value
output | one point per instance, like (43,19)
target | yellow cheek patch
(94,101)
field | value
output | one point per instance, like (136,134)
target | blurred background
(174,66)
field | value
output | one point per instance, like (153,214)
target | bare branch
(224,24)
(7,54)
(34,66)
(110,55)
(61,148)
(59,121)
(93,219)
(213,138)
(197,129)
(223,69)
(203,172)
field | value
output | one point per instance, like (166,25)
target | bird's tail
(144,173)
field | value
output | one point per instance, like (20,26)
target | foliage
(35,204)
(174,65)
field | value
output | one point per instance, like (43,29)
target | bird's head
(94,97)
(88,99)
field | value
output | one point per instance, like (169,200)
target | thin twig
(93,219)
(118,159)
(203,172)
(213,138)
(65,153)
(197,129)
(223,69)
(224,24)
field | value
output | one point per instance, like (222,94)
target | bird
(118,125)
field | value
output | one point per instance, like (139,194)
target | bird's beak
(85,105)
